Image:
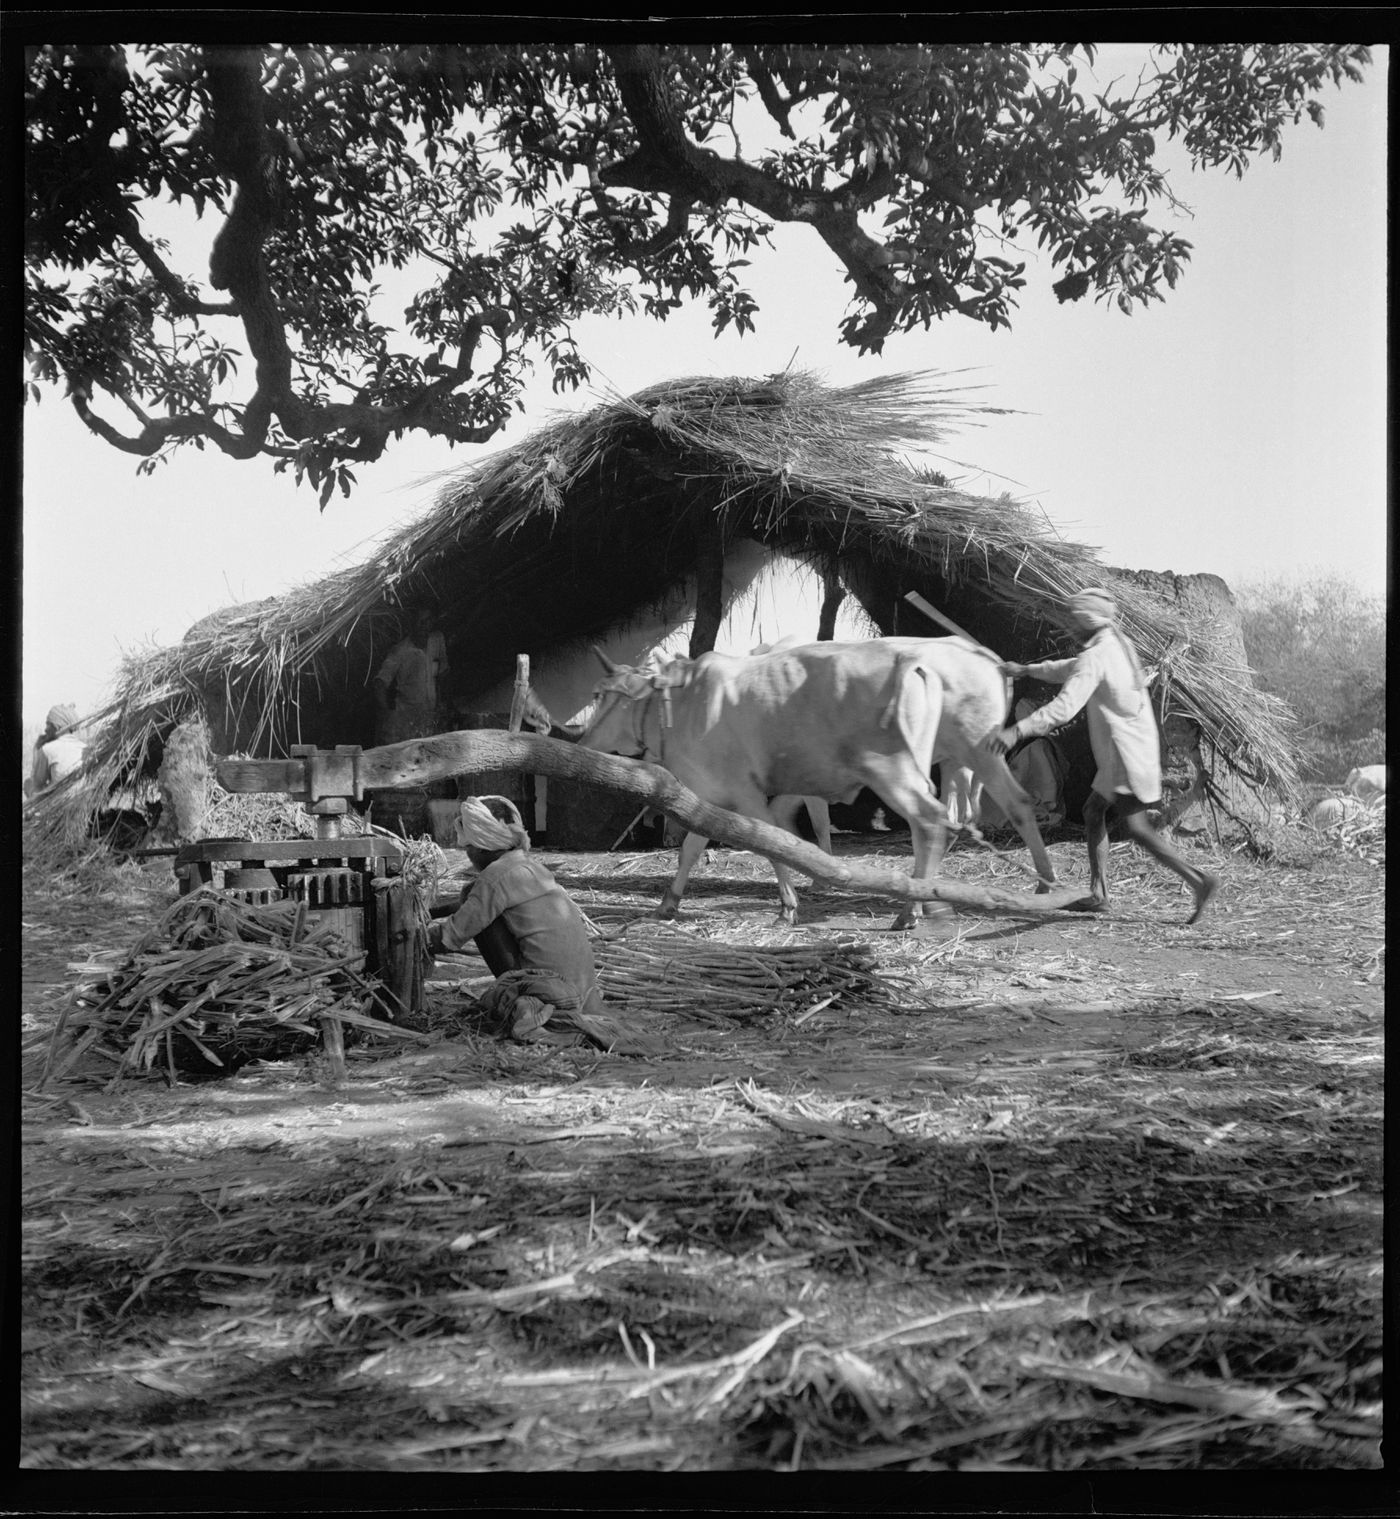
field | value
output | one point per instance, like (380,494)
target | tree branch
(181,301)
(773,103)
(245,149)
(677,221)
(158,432)
(371,425)
(667,162)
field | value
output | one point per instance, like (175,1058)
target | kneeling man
(526,926)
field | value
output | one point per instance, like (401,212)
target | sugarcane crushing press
(350,882)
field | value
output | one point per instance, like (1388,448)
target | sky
(1238,428)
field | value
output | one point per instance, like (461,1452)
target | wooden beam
(520,696)
(242,775)
(420,760)
(934,615)
(709,586)
(833,594)
(400,975)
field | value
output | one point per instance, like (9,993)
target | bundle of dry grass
(668,971)
(1363,831)
(217,983)
(254,815)
(424,866)
(593,520)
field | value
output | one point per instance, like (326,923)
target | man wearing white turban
(1106,678)
(525,925)
(58,751)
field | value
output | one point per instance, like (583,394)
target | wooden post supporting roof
(709,585)
(833,594)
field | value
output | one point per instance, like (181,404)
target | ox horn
(607,664)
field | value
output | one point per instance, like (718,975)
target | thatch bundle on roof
(595,519)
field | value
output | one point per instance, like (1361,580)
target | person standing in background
(408,684)
(58,751)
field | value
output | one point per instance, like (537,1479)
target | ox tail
(1006,686)
(904,665)
(907,669)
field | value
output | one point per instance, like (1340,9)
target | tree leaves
(1320,644)
(552,181)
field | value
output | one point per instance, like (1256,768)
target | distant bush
(1319,643)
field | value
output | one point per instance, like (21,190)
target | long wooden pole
(932,612)
(420,760)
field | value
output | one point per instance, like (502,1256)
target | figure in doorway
(408,684)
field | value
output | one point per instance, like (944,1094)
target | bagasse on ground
(1075,1195)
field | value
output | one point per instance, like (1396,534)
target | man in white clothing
(407,687)
(1106,679)
(58,751)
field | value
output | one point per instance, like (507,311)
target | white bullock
(1366,783)
(821,720)
(961,794)
(785,808)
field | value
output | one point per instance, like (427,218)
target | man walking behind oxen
(1106,678)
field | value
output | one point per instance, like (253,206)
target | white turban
(1097,607)
(479,828)
(1096,604)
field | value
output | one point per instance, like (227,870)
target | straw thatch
(593,520)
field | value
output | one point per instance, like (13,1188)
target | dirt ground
(1079,1194)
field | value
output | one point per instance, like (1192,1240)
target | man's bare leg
(1203,885)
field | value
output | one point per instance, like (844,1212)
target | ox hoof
(668,910)
(1044,888)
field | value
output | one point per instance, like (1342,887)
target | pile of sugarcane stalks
(666,970)
(1362,830)
(218,983)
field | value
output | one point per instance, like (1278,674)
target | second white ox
(962,792)
(819,720)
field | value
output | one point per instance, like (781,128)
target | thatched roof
(594,518)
